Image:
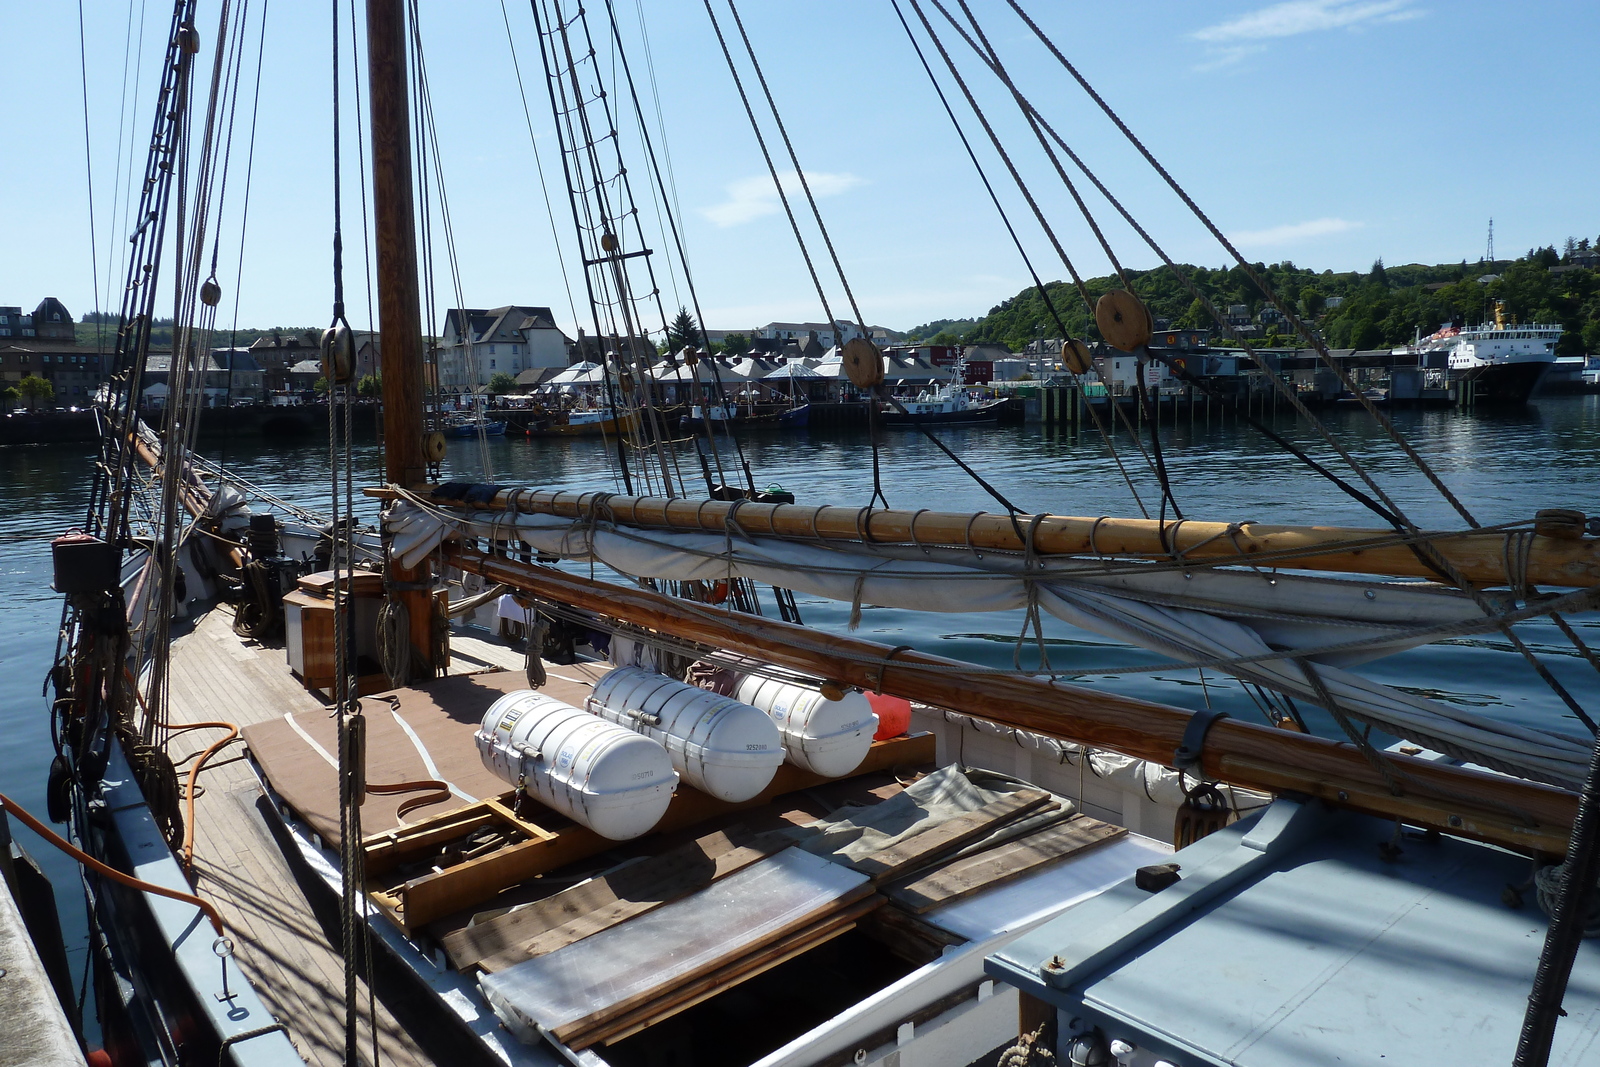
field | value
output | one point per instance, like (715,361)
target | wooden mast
(1506,811)
(399,311)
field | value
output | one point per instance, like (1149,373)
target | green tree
(370,386)
(36,389)
(1379,276)
(944,337)
(1196,317)
(320,386)
(1591,336)
(1364,333)
(1312,301)
(735,344)
(683,333)
(502,383)
(11,394)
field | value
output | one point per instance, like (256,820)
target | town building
(276,352)
(478,344)
(231,376)
(44,344)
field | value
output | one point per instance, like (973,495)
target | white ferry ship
(1502,361)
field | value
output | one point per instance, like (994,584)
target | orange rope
(108,872)
(194,770)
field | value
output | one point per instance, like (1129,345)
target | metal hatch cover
(1309,948)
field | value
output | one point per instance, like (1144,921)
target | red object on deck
(894,715)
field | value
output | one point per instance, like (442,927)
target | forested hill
(1385,306)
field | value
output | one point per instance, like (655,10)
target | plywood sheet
(607,975)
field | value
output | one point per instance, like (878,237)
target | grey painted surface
(34,1031)
(1316,952)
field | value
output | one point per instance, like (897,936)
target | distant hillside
(90,332)
(942,331)
(1384,306)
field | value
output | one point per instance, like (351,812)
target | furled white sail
(1238,620)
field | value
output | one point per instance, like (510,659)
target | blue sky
(1327,132)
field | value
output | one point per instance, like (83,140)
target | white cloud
(1228,56)
(1295,231)
(751,198)
(1306,16)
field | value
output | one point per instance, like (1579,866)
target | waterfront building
(478,344)
(231,375)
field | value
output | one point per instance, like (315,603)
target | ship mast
(399,310)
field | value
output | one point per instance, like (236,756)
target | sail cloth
(1206,616)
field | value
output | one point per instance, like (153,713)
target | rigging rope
(1038,283)
(337,345)
(1395,515)
(1289,315)
(1050,234)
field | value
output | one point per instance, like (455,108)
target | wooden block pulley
(1075,356)
(1123,319)
(863,363)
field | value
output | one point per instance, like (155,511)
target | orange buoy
(894,715)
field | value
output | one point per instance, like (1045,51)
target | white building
(827,335)
(479,344)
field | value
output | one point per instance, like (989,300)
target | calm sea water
(1504,466)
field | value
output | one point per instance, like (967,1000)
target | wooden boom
(1480,557)
(1509,812)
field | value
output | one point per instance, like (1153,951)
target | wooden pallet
(548,841)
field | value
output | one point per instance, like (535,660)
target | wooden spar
(399,313)
(1242,753)
(193,502)
(1481,557)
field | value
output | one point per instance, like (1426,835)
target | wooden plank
(280,945)
(686,995)
(433,896)
(924,848)
(387,849)
(632,890)
(1010,859)
(911,939)
(612,1012)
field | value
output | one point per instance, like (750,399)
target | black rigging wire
(1038,283)
(538,162)
(880,392)
(1151,409)
(1417,544)
(1049,232)
(1294,320)
(683,259)
(88,171)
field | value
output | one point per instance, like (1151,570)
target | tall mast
(399,313)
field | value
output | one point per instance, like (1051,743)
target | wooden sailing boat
(495,883)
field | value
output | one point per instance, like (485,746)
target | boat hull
(491,429)
(622,424)
(1501,383)
(986,413)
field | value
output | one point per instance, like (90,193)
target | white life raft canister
(719,745)
(829,737)
(597,773)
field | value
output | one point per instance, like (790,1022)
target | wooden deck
(281,943)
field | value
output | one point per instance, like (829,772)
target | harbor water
(1503,466)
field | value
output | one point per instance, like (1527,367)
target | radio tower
(1491,242)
